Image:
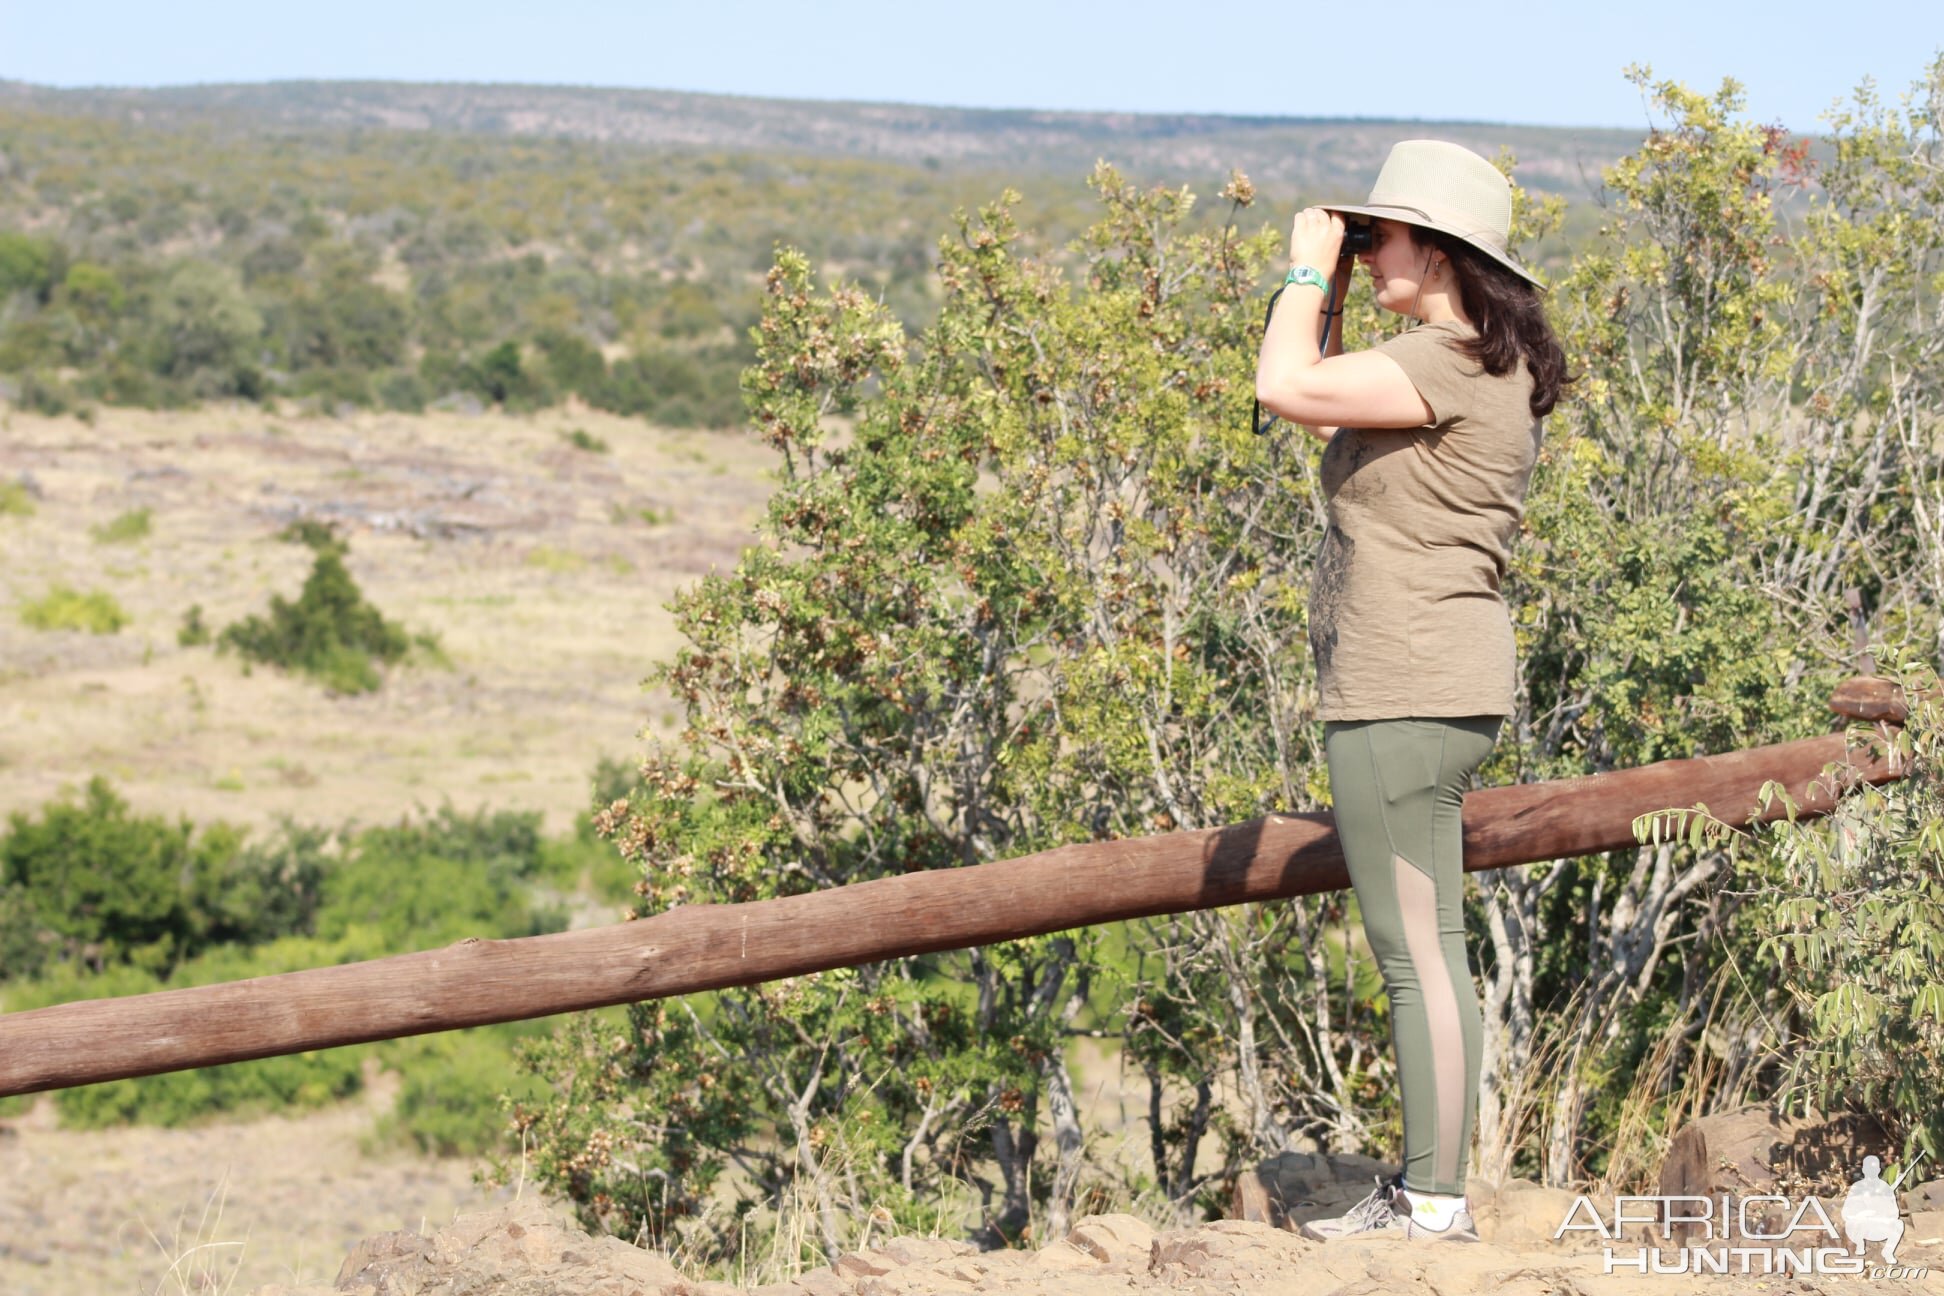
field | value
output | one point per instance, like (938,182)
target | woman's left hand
(1316,239)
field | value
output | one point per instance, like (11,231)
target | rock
(1114,1239)
(1926,1196)
(1250,1199)
(24,1253)
(864,1264)
(1062,1256)
(821,1282)
(1751,1149)
(521,1246)
(375,1259)
(1925,1227)
(1522,1213)
(1227,1251)
(918,1250)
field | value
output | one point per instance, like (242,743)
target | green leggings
(1397,786)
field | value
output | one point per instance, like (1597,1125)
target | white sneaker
(1386,1211)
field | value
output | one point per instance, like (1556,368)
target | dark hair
(1510,318)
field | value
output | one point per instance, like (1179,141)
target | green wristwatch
(1307,274)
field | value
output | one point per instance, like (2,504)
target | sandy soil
(527,1248)
(223,1207)
(529,559)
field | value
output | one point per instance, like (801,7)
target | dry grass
(489,531)
(205,1261)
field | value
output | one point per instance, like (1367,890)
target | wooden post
(707,947)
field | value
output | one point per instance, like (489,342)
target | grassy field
(540,558)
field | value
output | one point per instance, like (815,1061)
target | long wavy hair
(1510,317)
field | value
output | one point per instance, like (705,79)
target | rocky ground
(523,1247)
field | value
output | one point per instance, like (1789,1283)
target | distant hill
(1329,157)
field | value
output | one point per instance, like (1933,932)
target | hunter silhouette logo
(1870,1211)
(1736,1236)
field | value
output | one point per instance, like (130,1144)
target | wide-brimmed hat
(1446,187)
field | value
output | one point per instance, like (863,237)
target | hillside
(1311,155)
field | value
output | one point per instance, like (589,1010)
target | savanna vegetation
(160,267)
(330,633)
(1028,579)
(98,899)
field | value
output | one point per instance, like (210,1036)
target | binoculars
(1357,235)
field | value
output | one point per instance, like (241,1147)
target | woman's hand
(1316,239)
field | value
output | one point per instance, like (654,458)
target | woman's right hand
(1316,238)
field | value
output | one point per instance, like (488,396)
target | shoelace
(1372,1212)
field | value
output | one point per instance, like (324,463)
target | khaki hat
(1446,187)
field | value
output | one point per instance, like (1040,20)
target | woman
(1431,441)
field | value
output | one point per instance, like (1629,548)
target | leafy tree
(205,327)
(918,670)
(1742,452)
(27,265)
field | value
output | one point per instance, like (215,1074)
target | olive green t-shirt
(1405,617)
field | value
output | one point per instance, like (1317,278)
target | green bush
(27,265)
(124,529)
(403,392)
(450,1103)
(330,633)
(15,500)
(90,884)
(66,608)
(298,1082)
(420,885)
(581,439)
(194,632)
(366,894)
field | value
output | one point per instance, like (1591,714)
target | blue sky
(1503,61)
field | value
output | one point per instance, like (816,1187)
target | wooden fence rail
(706,947)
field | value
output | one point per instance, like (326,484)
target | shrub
(403,392)
(204,328)
(500,378)
(65,608)
(93,884)
(194,632)
(297,1082)
(1850,911)
(456,1089)
(27,265)
(418,885)
(548,558)
(581,439)
(384,890)
(330,633)
(124,529)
